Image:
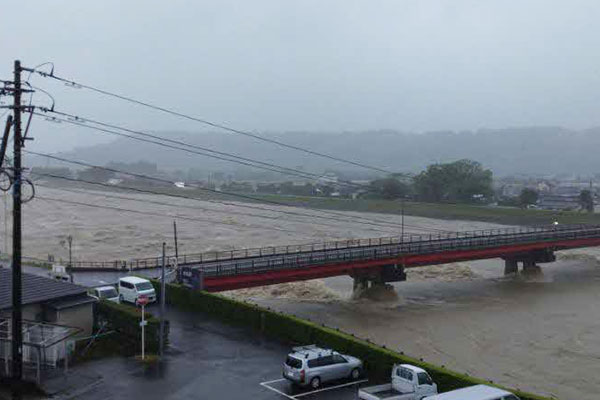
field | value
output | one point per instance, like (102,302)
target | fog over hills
(529,151)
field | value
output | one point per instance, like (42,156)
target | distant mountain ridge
(534,150)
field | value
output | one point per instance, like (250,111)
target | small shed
(49,301)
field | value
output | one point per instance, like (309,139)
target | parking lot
(205,360)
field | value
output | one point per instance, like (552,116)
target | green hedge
(126,319)
(378,360)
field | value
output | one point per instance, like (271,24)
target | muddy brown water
(540,333)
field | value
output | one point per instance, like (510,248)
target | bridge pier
(529,261)
(511,266)
(529,266)
(373,283)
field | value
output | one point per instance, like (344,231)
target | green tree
(586,200)
(460,181)
(527,197)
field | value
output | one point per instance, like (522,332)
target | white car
(477,392)
(105,293)
(131,288)
(408,383)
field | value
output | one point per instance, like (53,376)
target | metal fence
(408,243)
(393,248)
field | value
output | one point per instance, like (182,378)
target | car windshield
(107,293)
(424,379)
(293,362)
(143,286)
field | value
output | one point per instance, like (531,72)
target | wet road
(206,360)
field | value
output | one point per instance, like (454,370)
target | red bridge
(373,261)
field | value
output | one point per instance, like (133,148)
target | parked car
(105,293)
(408,383)
(59,272)
(478,392)
(312,366)
(131,288)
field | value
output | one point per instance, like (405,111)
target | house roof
(36,289)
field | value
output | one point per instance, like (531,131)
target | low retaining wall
(378,360)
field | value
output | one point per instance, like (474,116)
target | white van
(132,287)
(105,293)
(478,392)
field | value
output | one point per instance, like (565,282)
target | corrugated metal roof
(36,289)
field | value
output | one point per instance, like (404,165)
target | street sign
(143,300)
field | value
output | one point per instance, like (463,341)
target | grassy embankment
(500,215)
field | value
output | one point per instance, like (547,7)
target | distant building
(559,202)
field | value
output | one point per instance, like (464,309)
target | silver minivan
(313,366)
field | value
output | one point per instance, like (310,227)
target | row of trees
(464,181)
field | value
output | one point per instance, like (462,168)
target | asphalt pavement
(205,360)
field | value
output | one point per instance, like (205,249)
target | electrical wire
(81,121)
(206,122)
(206,152)
(121,209)
(146,201)
(247,197)
(355,219)
(146,191)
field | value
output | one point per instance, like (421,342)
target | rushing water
(538,333)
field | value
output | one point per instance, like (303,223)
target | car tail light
(302,376)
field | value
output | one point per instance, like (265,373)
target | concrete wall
(81,316)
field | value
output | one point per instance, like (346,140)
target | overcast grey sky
(411,65)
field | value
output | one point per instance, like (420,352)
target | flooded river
(539,332)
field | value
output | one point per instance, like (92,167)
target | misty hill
(535,151)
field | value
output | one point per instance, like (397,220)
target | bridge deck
(238,271)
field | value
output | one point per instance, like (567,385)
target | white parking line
(331,388)
(295,397)
(265,384)
(276,380)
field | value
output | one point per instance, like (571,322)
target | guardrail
(323,255)
(241,254)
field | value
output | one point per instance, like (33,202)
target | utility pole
(175,235)
(162,303)
(17,331)
(403,219)
(70,267)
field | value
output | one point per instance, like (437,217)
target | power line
(207,122)
(146,191)
(146,201)
(121,209)
(78,121)
(367,221)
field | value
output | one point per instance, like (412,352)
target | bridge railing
(248,253)
(382,250)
